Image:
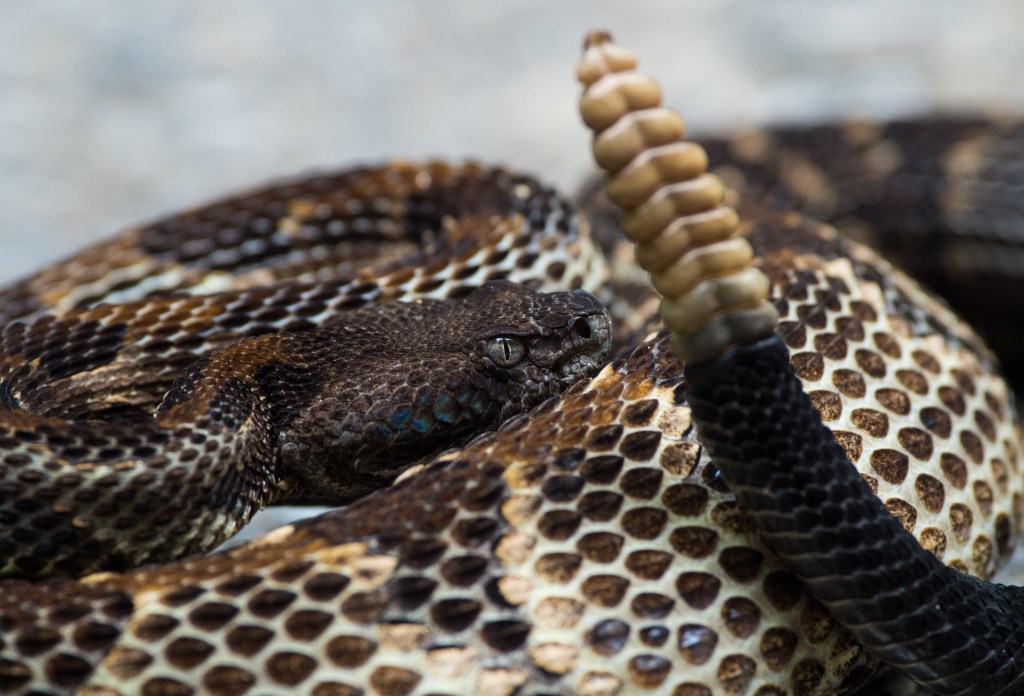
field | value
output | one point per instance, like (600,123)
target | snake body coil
(952,633)
(587,546)
(289,392)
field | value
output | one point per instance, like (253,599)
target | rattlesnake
(588,546)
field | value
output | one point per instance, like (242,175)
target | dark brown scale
(608,637)
(559,525)
(454,615)
(505,636)
(698,643)
(697,589)
(350,651)
(693,541)
(412,592)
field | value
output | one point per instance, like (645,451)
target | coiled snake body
(328,406)
(587,546)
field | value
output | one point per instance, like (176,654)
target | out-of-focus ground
(116,112)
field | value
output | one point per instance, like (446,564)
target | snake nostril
(581,329)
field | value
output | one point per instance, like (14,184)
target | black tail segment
(950,632)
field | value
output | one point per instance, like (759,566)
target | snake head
(410,379)
(536,345)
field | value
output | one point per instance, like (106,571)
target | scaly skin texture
(293,391)
(952,633)
(941,198)
(401,230)
(327,414)
(947,631)
(589,546)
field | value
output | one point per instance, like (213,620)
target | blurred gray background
(113,112)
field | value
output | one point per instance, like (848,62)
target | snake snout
(588,341)
(594,325)
(593,330)
(580,330)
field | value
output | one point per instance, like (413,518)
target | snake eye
(505,351)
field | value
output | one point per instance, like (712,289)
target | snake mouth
(585,347)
